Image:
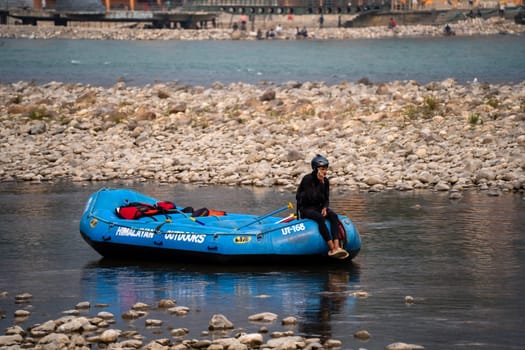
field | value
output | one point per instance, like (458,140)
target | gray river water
(494,59)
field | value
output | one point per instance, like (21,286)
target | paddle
(287,219)
(186,216)
(259,218)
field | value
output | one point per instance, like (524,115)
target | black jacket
(313,193)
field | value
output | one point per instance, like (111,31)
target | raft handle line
(215,235)
(159,232)
(259,218)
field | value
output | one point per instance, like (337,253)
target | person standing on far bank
(313,199)
(392,24)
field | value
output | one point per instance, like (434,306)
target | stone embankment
(79,329)
(442,136)
(469,27)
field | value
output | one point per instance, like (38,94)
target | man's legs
(331,239)
(314,214)
(334,225)
(334,230)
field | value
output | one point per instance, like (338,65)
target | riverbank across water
(469,27)
(442,136)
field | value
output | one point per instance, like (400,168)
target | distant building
(255,6)
(7,4)
(62,5)
(451,4)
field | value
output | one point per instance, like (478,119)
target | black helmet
(319,161)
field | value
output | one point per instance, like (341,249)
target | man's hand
(323,212)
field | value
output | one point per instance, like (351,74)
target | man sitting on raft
(313,198)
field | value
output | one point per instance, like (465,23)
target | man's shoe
(341,254)
(338,254)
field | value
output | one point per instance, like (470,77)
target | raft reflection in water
(315,296)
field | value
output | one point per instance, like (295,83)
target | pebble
(153,323)
(333,343)
(362,335)
(404,346)
(83,305)
(219,321)
(140,306)
(179,310)
(11,340)
(263,317)
(252,340)
(455,195)
(290,320)
(73,325)
(71,312)
(132,315)
(23,298)
(359,294)
(109,336)
(106,315)
(22,313)
(90,134)
(287,342)
(179,332)
(167,303)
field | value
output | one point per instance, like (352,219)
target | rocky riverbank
(442,136)
(81,328)
(469,27)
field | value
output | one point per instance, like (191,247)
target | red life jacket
(137,210)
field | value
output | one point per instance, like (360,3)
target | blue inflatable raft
(176,236)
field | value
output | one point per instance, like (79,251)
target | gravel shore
(469,27)
(442,136)
(85,327)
